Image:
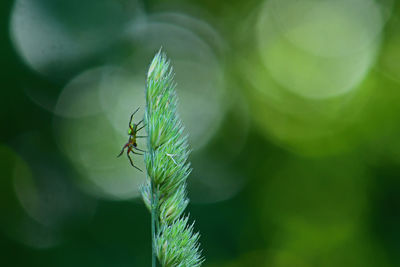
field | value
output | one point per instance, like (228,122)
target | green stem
(154,224)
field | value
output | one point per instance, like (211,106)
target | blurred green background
(293,111)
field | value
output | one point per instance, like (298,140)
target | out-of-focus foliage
(292,109)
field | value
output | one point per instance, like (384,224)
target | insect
(131,144)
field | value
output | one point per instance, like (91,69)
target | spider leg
(130,121)
(138,149)
(141,136)
(133,165)
(122,151)
(140,128)
(134,152)
(137,124)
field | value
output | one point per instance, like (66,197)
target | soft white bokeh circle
(92,142)
(198,71)
(52,38)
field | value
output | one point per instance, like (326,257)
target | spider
(132,145)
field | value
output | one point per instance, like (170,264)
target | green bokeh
(293,106)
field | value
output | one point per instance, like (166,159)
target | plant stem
(154,224)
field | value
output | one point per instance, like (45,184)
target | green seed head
(168,168)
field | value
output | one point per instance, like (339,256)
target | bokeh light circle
(91,140)
(198,71)
(15,223)
(319,49)
(54,38)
